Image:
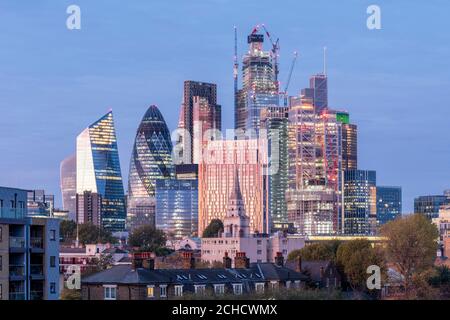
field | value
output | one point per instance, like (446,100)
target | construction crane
(288,81)
(275,50)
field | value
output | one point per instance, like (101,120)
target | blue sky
(128,55)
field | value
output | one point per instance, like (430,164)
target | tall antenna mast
(325,61)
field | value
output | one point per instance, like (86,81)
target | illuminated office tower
(430,205)
(274,121)
(360,209)
(68,184)
(177,207)
(314,160)
(389,204)
(216,181)
(199,110)
(259,85)
(98,170)
(317,91)
(349,141)
(151,160)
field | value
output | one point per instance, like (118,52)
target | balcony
(13,213)
(37,269)
(17,296)
(16,270)
(16,242)
(36,243)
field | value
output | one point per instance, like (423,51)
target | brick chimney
(188,260)
(143,260)
(279,259)
(148,264)
(226,261)
(241,261)
(298,266)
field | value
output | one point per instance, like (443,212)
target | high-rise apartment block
(29,249)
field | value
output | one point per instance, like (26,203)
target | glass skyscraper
(359,202)
(151,160)
(430,205)
(260,87)
(68,184)
(98,170)
(389,204)
(274,120)
(177,207)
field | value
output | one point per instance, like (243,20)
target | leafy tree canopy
(148,238)
(213,229)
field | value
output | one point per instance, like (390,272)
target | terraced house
(141,281)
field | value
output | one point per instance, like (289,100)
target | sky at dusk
(54,82)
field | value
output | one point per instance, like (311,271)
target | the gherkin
(151,160)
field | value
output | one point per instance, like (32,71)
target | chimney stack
(226,261)
(149,264)
(139,260)
(298,267)
(241,261)
(188,260)
(279,259)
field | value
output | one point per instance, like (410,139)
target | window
(150,291)
(110,292)
(52,261)
(259,287)
(237,289)
(1,263)
(1,234)
(297,284)
(219,289)
(52,235)
(259,252)
(179,291)
(288,284)
(52,287)
(273,285)
(162,291)
(199,289)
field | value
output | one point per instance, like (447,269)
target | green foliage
(354,257)
(317,251)
(147,238)
(68,294)
(103,262)
(89,233)
(213,229)
(411,246)
(68,230)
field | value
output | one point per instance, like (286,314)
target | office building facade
(68,184)
(177,207)
(389,204)
(98,170)
(151,160)
(430,205)
(360,205)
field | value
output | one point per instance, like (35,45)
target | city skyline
(370,102)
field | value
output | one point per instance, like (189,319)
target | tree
(89,233)
(354,257)
(147,238)
(411,246)
(316,251)
(103,262)
(67,230)
(213,229)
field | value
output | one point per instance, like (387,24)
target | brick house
(141,281)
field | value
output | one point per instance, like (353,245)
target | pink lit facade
(217,175)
